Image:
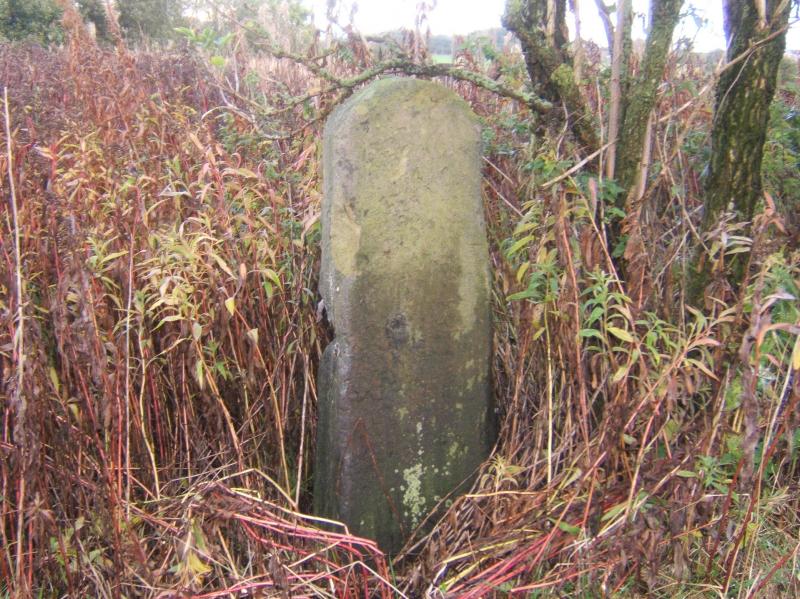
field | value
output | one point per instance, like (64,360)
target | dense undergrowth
(159,254)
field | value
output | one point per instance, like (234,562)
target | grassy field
(160,339)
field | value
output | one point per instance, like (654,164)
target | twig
(579,51)
(19,334)
(128,308)
(574,168)
(778,565)
(604,11)
(747,53)
(500,195)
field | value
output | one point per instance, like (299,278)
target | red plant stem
(778,565)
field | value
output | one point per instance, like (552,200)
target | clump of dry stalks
(158,277)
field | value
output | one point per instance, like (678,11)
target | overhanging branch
(404,65)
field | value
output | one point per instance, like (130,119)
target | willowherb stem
(19,336)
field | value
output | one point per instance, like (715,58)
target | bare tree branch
(404,65)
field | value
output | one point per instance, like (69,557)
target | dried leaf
(796,355)
(198,374)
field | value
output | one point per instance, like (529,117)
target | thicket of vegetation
(160,335)
(40,20)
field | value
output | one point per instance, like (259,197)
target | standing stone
(404,388)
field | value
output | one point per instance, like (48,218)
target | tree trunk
(741,113)
(620,43)
(756,42)
(541,28)
(631,163)
(642,92)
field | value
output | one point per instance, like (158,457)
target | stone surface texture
(405,414)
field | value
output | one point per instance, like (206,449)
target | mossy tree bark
(744,94)
(632,132)
(541,28)
(619,40)
(756,33)
(642,91)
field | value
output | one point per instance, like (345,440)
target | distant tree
(440,44)
(94,11)
(150,19)
(38,20)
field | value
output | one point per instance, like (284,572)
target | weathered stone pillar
(404,388)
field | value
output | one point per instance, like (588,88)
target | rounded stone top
(392,94)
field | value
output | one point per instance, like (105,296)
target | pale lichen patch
(413,500)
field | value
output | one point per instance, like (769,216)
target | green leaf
(185,32)
(621,334)
(113,256)
(596,313)
(522,270)
(54,379)
(568,528)
(170,318)
(273,276)
(700,366)
(521,295)
(614,511)
(686,474)
(518,245)
(222,264)
(591,333)
(217,61)
(230,305)
(619,374)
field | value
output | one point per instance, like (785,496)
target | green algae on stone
(405,282)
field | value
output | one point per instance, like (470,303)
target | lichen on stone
(413,500)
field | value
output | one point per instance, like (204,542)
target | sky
(703,26)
